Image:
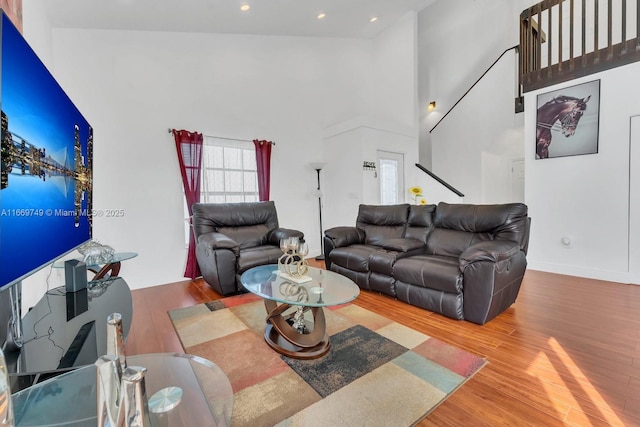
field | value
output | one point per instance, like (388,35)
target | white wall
(347,184)
(133,86)
(587,198)
(473,146)
(388,122)
(37,31)
(634,199)
(457,41)
(394,75)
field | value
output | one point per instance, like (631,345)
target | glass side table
(70,399)
(68,330)
(109,269)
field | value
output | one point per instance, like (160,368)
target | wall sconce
(432,106)
(370,166)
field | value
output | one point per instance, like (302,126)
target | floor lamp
(318,167)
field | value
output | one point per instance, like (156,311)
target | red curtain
(263,161)
(189,149)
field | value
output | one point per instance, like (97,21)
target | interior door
(634,201)
(517,180)
(391,177)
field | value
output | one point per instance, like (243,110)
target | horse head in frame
(563,114)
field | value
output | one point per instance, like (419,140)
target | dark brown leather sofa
(234,237)
(462,261)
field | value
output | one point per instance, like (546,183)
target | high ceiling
(344,18)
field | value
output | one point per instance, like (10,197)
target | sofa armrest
(283,233)
(493,272)
(218,241)
(345,236)
(217,254)
(403,245)
(489,250)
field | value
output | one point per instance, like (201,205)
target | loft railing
(440,180)
(561,40)
(518,107)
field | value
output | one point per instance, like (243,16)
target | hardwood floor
(566,353)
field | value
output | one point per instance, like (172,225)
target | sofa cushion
(382,283)
(460,226)
(361,279)
(402,245)
(208,217)
(452,243)
(377,235)
(381,223)
(430,271)
(248,236)
(260,255)
(506,221)
(448,304)
(382,260)
(420,222)
(354,257)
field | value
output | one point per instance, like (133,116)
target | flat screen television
(46,157)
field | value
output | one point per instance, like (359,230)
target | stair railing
(562,40)
(475,83)
(440,180)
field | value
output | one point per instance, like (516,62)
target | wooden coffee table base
(286,340)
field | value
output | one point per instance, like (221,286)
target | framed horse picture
(569,117)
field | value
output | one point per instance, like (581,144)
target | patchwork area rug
(377,372)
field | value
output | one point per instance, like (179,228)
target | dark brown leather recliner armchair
(234,237)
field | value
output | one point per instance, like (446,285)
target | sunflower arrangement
(416,195)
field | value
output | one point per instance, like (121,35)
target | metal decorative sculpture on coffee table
(292,264)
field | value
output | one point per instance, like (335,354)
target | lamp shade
(317,165)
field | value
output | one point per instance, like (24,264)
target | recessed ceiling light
(373,19)
(245,7)
(321,15)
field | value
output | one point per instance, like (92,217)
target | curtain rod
(228,139)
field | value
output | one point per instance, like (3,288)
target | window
(229,172)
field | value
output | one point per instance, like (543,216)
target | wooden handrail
(440,180)
(543,23)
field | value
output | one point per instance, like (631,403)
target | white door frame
(399,159)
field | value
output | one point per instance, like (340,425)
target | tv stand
(67,330)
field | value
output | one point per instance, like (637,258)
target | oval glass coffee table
(288,331)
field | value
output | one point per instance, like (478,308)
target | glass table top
(326,288)
(70,399)
(117,257)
